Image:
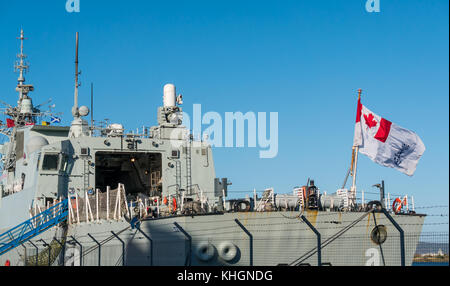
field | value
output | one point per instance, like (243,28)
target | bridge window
(50,162)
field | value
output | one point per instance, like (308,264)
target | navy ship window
(175,154)
(50,162)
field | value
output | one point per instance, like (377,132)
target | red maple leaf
(370,122)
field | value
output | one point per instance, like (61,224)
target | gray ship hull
(264,239)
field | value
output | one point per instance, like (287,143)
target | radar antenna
(23,114)
(21,66)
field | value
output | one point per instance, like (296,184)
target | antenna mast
(75,111)
(21,65)
(79,127)
(24,113)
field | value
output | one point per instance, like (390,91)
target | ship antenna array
(75,111)
(21,66)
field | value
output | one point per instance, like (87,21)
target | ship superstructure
(153,198)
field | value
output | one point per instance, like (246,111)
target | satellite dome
(84,110)
(35,143)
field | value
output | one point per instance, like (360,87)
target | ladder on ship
(266,198)
(33,227)
(188,165)
(86,174)
(178,174)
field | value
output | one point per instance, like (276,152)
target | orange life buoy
(165,201)
(397,205)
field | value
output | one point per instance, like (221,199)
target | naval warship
(83,195)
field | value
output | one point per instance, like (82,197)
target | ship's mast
(79,127)
(23,114)
(75,111)
(21,66)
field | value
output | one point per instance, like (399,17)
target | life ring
(241,206)
(371,205)
(397,205)
(227,251)
(205,251)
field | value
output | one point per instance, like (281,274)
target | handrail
(33,227)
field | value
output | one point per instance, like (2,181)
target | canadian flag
(386,143)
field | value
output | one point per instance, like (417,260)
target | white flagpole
(354,167)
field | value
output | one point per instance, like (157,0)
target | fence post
(25,254)
(63,248)
(37,252)
(123,247)
(402,236)
(81,250)
(138,227)
(250,237)
(99,249)
(96,204)
(188,258)
(45,244)
(319,244)
(107,203)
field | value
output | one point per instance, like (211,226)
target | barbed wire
(437,215)
(281,237)
(430,207)
(250,191)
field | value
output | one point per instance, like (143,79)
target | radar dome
(169,95)
(26,106)
(84,110)
(35,143)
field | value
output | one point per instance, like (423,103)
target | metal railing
(33,227)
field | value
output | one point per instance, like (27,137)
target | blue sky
(302,59)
